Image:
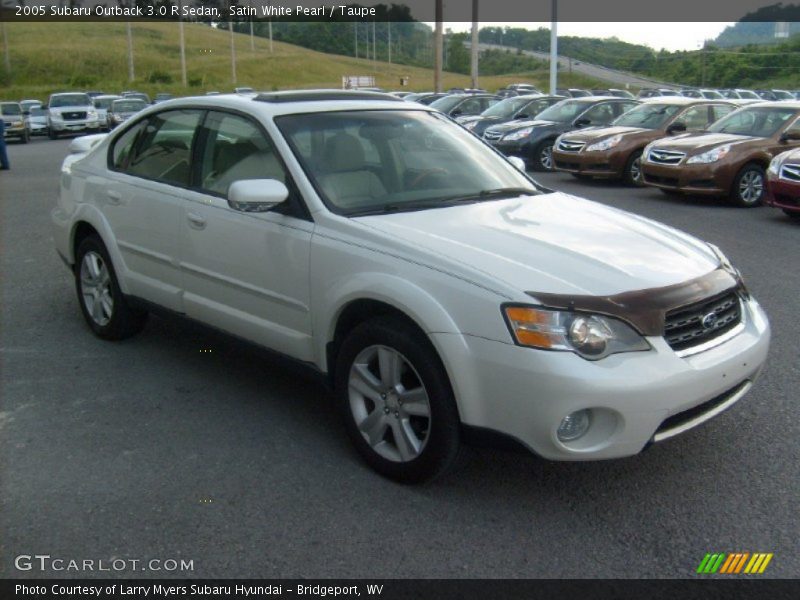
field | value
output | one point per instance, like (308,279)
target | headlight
(518,134)
(605,144)
(55,116)
(776,164)
(710,156)
(591,336)
(91,114)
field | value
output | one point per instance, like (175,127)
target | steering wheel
(425,174)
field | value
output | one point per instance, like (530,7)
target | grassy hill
(49,57)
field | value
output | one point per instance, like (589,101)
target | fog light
(573,426)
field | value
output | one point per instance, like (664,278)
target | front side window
(754,121)
(164,151)
(236,149)
(602,114)
(394,160)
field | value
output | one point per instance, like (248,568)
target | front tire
(102,302)
(396,402)
(747,190)
(633,170)
(543,156)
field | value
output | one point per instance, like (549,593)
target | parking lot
(184,444)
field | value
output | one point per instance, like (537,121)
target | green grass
(51,57)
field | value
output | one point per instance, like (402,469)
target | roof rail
(322,95)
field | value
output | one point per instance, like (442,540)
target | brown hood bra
(646,309)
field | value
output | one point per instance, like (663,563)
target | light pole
(474,46)
(554,47)
(233,53)
(130,52)
(183,44)
(438,45)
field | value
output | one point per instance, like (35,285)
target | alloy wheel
(546,157)
(95,282)
(389,403)
(751,187)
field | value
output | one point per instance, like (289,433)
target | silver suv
(71,112)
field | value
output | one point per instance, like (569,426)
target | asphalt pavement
(184,444)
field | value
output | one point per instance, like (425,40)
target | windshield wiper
(495,194)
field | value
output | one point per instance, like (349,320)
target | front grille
(668,181)
(689,415)
(570,146)
(73,116)
(492,135)
(790,172)
(701,322)
(665,157)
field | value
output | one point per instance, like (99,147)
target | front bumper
(14,131)
(609,163)
(700,179)
(82,125)
(518,149)
(525,393)
(782,194)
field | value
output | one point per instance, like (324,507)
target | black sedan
(518,108)
(533,140)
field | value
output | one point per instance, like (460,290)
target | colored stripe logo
(734,563)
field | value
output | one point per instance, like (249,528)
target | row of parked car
(741,149)
(72,112)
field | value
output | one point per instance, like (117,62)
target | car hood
(703,141)
(513,125)
(586,135)
(551,243)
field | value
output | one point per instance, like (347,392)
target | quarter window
(236,149)
(164,152)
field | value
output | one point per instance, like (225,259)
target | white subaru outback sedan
(442,290)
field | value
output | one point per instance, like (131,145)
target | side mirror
(522,117)
(582,122)
(790,136)
(256,195)
(676,127)
(456,112)
(517,162)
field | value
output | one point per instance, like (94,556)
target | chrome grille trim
(570,146)
(665,157)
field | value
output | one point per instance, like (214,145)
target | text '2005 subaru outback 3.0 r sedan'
(441,289)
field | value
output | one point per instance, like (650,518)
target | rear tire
(396,402)
(748,187)
(102,302)
(543,156)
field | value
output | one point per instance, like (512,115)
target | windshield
(36,111)
(748,94)
(11,109)
(447,103)
(782,95)
(712,94)
(138,96)
(127,105)
(648,116)
(103,103)
(70,100)
(364,162)
(563,112)
(506,108)
(754,121)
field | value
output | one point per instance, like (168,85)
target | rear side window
(163,152)
(122,150)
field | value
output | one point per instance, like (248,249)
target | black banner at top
(494,11)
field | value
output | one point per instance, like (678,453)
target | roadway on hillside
(184,443)
(612,76)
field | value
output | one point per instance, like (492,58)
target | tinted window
(564,111)
(648,116)
(236,149)
(164,151)
(121,151)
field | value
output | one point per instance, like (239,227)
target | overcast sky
(670,36)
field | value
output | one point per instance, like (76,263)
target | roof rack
(322,95)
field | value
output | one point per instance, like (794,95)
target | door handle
(196,221)
(114,197)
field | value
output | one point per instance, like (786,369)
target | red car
(783,183)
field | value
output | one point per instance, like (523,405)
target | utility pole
(390,41)
(7,56)
(252,38)
(437,52)
(183,44)
(703,57)
(554,47)
(233,53)
(131,74)
(374,47)
(474,45)
(355,33)
(269,26)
